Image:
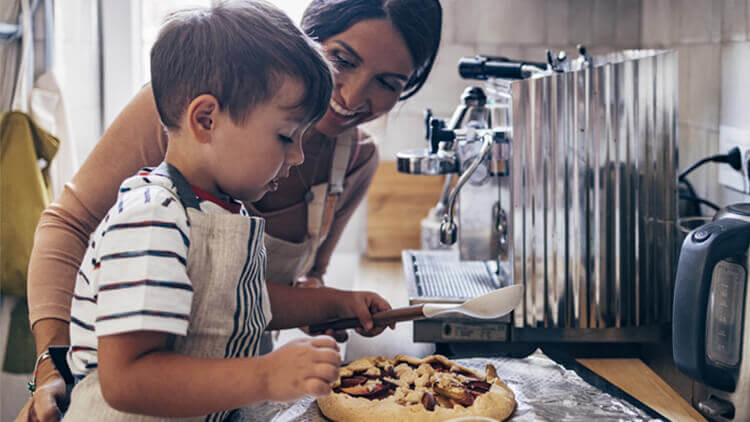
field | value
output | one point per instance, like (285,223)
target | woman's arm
(323,304)
(134,140)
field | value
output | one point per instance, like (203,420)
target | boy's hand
(302,367)
(362,305)
(310,282)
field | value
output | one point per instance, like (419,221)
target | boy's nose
(295,156)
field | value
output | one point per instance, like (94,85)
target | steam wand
(448,226)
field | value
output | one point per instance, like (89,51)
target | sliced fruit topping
(352,381)
(357,390)
(428,401)
(478,386)
(377,391)
(389,372)
(457,394)
(444,402)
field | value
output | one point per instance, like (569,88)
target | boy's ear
(201,114)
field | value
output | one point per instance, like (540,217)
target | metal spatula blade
(487,306)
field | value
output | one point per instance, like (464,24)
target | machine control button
(701,235)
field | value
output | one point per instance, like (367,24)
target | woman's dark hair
(418,21)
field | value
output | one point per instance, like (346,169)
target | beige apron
(287,261)
(230,309)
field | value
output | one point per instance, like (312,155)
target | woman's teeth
(341,110)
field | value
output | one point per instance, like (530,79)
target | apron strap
(184,191)
(321,210)
(341,156)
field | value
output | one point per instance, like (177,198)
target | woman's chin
(333,124)
(329,128)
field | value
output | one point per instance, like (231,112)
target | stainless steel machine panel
(439,276)
(593,193)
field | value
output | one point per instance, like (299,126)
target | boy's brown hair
(239,52)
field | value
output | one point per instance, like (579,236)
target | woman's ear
(201,115)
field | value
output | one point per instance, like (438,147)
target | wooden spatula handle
(380,319)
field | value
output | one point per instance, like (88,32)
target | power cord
(733,158)
(700,201)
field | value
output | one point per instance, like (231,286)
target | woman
(383,51)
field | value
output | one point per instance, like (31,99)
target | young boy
(170,299)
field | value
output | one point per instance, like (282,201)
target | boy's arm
(321,305)
(138,375)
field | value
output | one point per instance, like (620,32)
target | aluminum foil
(544,389)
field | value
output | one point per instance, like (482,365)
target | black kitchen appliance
(711,326)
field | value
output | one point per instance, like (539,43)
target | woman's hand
(362,305)
(42,406)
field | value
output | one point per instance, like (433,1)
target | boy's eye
(286,139)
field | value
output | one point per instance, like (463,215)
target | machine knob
(448,232)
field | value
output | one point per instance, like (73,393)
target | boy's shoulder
(147,178)
(147,190)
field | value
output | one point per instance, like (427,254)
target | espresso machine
(560,176)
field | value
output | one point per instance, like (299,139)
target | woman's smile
(342,115)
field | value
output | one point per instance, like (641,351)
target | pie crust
(406,388)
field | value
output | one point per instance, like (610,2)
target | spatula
(487,306)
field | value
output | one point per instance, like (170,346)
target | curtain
(10,54)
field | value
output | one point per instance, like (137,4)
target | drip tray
(439,276)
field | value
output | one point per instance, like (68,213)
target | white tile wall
(704,86)
(656,23)
(604,21)
(734,20)
(580,21)
(628,23)
(511,21)
(698,21)
(735,85)
(77,69)
(710,36)
(556,20)
(465,15)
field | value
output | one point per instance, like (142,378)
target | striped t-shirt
(133,276)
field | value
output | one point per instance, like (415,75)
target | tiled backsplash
(711,37)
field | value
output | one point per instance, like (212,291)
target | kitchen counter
(350,271)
